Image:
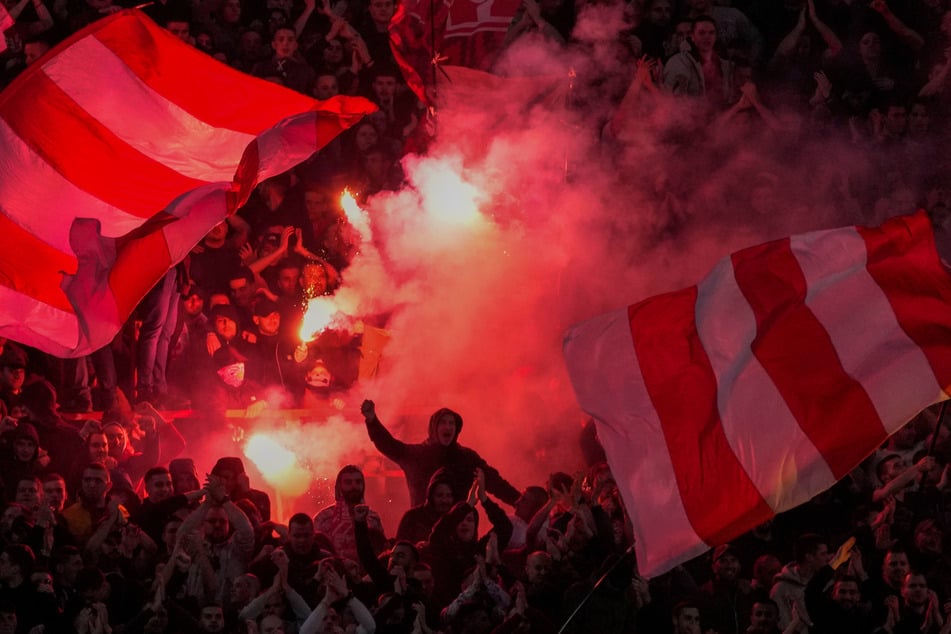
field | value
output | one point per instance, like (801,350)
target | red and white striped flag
(119,150)
(725,403)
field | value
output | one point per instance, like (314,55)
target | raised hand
(368,409)
(480,484)
(280,559)
(335,584)
(823,85)
(215,489)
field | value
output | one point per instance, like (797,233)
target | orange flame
(356,216)
(278,465)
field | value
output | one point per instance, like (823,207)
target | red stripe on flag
(87,153)
(245,178)
(337,114)
(139,264)
(797,353)
(20,252)
(904,263)
(198,83)
(719,497)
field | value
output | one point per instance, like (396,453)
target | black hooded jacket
(420,461)
(417,523)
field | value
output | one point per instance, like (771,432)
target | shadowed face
(704,36)
(284,43)
(466,529)
(446,429)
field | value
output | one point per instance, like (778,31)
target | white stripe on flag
(782,462)
(607,379)
(202,208)
(870,342)
(279,146)
(37,322)
(29,184)
(142,117)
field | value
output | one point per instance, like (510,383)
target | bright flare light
(318,316)
(447,198)
(278,465)
(356,216)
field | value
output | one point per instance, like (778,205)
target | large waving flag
(725,403)
(119,150)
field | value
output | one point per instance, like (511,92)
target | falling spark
(278,465)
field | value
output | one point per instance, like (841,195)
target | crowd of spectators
(107,524)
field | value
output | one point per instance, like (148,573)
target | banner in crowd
(722,404)
(466,33)
(119,150)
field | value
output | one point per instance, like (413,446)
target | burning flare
(319,315)
(278,465)
(448,200)
(356,216)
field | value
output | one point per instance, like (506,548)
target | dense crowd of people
(107,524)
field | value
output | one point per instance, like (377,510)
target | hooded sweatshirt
(420,461)
(336,521)
(417,523)
(789,588)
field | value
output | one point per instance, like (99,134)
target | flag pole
(568,101)
(937,428)
(435,62)
(597,584)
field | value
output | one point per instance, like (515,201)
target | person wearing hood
(789,586)
(441,449)
(184,476)
(454,543)
(230,470)
(417,523)
(25,458)
(60,439)
(336,520)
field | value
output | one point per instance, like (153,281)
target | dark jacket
(417,523)
(450,557)
(827,616)
(420,461)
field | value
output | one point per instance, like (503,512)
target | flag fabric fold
(458,33)
(6,21)
(119,150)
(725,403)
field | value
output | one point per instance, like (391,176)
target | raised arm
(45,22)
(381,438)
(501,523)
(833,43)
(626,114)
(301,21)
(262,263)
(905,33)
(368,559)
(903,479)
(788,43)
